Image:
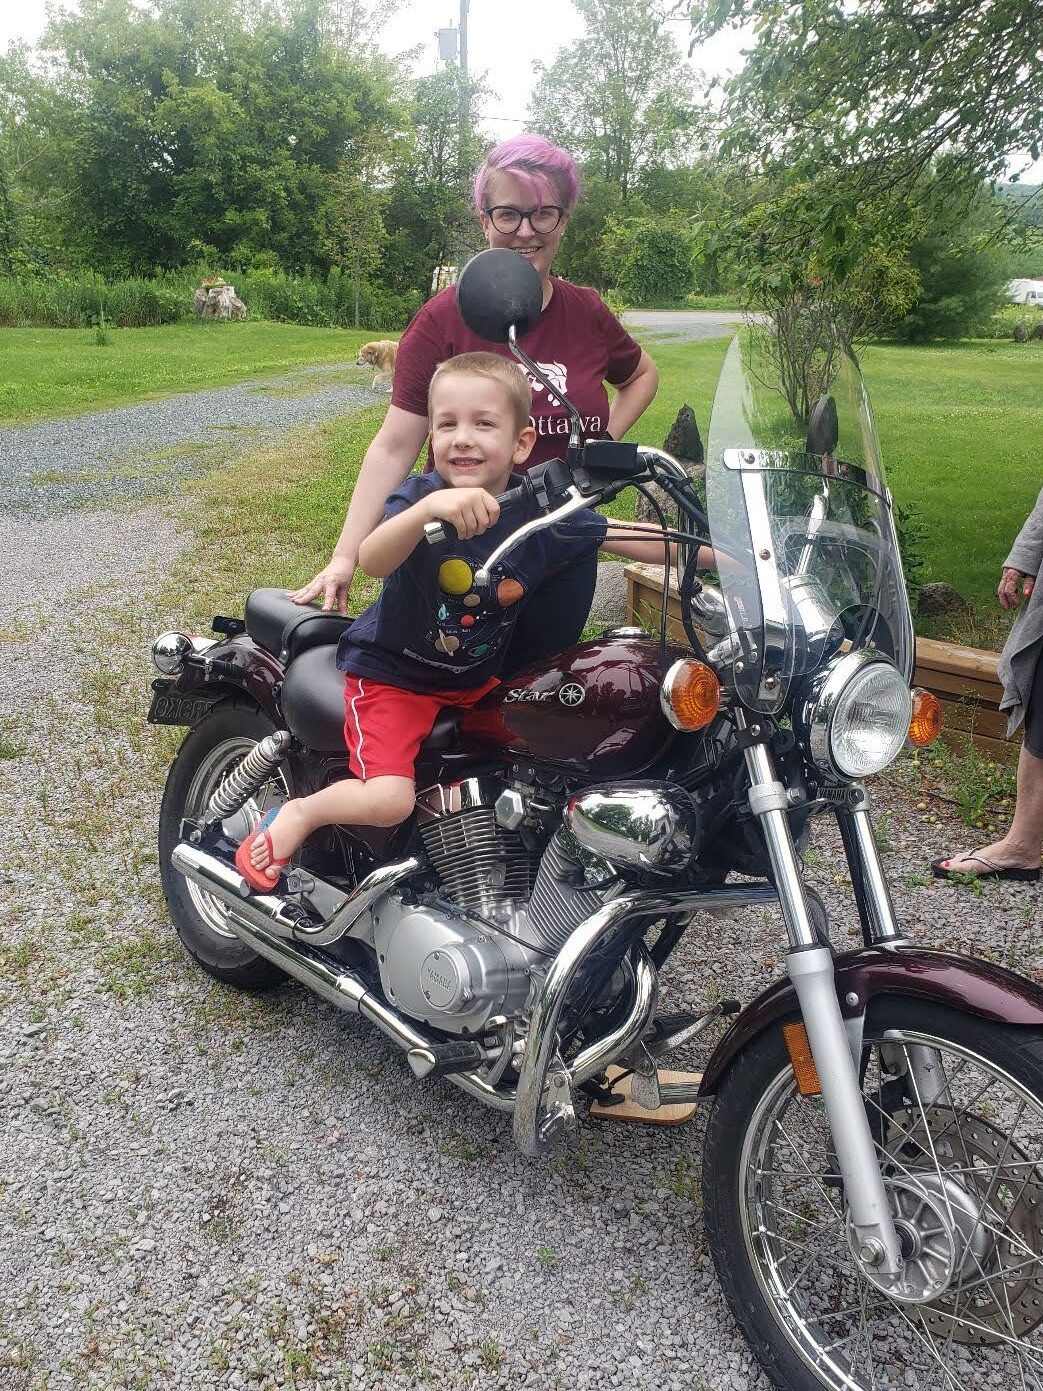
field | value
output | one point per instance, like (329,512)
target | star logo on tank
(571,694)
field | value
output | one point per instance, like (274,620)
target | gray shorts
(1034,712)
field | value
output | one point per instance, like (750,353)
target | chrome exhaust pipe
(341,987)
(271,912)
(266,923)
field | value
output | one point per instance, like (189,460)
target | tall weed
(76,302)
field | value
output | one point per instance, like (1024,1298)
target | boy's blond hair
(497,369)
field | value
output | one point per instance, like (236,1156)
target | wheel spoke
(970,1191)
(808,1170)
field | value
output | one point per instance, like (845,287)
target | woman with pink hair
(524,193)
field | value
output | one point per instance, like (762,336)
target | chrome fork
(810,967)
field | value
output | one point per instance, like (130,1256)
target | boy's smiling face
(475,436)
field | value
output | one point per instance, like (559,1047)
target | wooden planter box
(963,678)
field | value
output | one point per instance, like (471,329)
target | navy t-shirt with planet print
(433,628)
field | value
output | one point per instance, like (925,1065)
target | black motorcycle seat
(286,629)
(312,702)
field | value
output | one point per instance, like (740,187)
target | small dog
(381,357)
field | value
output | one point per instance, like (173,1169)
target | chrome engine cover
(448,971)
(655,826)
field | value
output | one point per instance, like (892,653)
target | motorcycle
(871,1178)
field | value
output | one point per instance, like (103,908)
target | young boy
(433,638)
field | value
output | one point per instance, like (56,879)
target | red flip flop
(258,879)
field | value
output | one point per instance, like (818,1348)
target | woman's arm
(633,396)
(388,461)
(651,552)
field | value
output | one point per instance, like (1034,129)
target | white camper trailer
(1025,292)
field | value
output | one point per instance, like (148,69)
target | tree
(621,99)
(961,265)
(429,213)
(205,124)
(582,257)
(653,259)
(358,226)
(816,279)
(884,90)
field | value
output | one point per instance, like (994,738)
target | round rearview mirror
(823,427)
(497,289)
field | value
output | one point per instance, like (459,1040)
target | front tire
(209,752)
(775,1211)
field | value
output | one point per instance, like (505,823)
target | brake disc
(997,1279)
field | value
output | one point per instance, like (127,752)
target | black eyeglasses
(506,219)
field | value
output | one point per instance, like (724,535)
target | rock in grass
(940,598)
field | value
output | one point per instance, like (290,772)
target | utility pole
(464,121)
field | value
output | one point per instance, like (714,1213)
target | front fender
(945,978)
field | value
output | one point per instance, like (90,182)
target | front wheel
(211,749)
(963,1170)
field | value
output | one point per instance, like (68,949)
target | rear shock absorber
(247,776)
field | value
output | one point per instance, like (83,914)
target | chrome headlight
(856,717)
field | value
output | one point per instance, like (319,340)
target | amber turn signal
(926,722)
(803,1064)
(690,694)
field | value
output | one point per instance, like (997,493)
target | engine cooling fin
(560,898)
(479,862)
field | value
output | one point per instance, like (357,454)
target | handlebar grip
(438,533)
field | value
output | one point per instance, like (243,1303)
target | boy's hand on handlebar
(469,511)
(332,583)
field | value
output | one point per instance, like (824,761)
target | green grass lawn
(47,372)
(961,426)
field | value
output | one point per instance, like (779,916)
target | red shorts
(384,726)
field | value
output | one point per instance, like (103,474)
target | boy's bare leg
(382,801)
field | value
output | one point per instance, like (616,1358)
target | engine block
(483,866)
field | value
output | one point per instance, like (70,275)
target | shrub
(653,260)
(76,302)
(1003,323)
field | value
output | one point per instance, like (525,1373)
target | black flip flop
(991,871)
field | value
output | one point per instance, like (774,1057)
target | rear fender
(944,978)
(242,668)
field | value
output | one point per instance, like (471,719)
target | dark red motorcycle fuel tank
(593,708)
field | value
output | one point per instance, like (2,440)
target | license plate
(169,708)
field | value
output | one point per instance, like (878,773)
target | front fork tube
(880,925)
(875,907)
(810,967)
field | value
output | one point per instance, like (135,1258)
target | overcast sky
(503,42)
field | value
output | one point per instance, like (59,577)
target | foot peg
(672,1031)
(443,1059)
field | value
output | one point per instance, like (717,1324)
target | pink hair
(541,166)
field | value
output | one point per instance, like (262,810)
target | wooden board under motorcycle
(872,1184)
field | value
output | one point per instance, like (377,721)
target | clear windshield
(801,523)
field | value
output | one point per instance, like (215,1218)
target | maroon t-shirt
(578,343)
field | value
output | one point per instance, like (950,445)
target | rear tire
(210,750)
(775,1213)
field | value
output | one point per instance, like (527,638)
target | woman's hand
(1007,589)
(469,511)
(332,583)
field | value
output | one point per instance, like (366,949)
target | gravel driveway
(200,1189)
(685,325)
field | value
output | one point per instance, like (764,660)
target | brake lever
(575,503)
